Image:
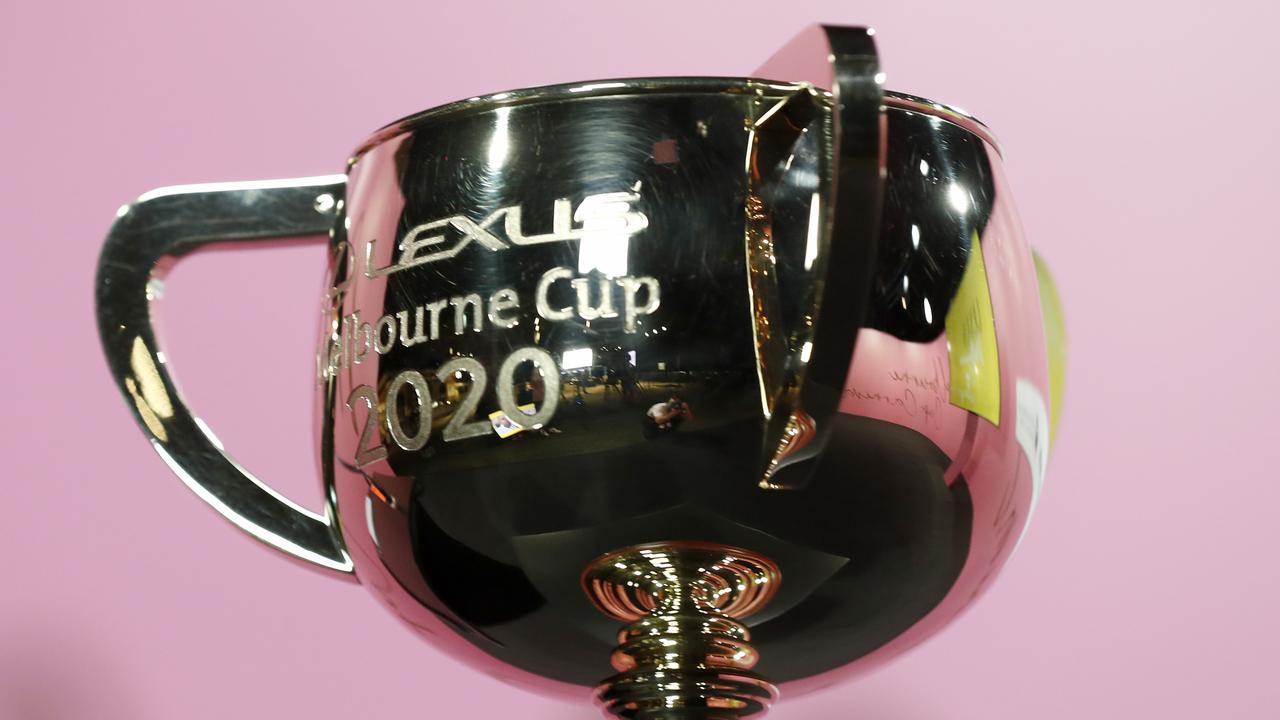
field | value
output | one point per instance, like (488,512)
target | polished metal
(147,237)
(792,321)
(683,649)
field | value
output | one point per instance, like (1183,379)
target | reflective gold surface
(684,649)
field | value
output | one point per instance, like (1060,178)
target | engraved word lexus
(606,218)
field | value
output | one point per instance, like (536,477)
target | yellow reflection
(971,341)
(148,378)
(147,389)
(144,411)
(1055,338)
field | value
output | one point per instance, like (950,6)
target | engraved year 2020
(409,425)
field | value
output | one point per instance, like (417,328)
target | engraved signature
(917,396)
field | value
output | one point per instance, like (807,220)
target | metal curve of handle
(147,236)
(845,60)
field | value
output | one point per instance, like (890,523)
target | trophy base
(683,654)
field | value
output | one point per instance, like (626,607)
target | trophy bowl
(681,389)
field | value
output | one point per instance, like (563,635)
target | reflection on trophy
(687,390)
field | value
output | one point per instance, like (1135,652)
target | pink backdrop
(1139,141)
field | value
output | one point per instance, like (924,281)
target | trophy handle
(145,241)
(845,61)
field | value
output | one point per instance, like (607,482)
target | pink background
(1139,141)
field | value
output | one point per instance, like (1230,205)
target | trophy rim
(616,87)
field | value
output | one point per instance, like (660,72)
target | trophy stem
(684,654)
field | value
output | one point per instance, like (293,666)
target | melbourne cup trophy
(683,391)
